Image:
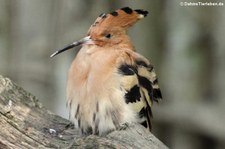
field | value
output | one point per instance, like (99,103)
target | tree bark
(25,123)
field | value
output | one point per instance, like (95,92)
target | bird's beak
(85,40)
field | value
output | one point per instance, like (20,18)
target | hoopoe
(109,83)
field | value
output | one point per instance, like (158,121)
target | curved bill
(85,40)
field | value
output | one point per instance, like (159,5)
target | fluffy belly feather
(100,112)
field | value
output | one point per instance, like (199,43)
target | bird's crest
(121,18)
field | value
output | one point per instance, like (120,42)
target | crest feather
(121,18)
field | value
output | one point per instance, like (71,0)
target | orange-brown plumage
(117,24)
(109,84)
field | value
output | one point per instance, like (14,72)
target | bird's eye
(108,36)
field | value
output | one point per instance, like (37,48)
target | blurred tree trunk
(193,75)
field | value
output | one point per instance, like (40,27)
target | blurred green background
(186,44)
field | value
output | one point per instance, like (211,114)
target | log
(26,123)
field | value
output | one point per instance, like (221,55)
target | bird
(109,83)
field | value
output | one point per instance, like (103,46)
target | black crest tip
(128,10)
(114,13)
(143,12)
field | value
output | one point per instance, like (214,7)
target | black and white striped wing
(141,86)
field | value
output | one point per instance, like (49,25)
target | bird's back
(140,83)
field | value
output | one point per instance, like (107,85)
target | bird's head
(110,29)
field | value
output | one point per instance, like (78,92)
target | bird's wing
(141,88)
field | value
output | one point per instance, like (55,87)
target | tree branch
(25,123)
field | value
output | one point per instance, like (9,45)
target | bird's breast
(94,95)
